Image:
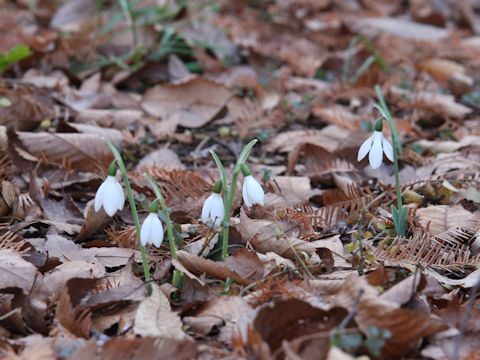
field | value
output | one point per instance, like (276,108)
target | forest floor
(315,272)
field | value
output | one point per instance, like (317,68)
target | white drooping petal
(217,210)
(387,148)
(206,209)
(151,231)
(365,148)
(246,198)
(253,191)
(99,196)
(109,196)
(376,152)
(121,195)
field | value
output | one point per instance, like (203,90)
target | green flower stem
(399,216)
(158,194)
(133,208)
(229,192)
(227,204)
(177,274)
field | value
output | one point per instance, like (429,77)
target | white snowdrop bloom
(109,196)
(213,210)
(376,145)
(252,191)
(152,230)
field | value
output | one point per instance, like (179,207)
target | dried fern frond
(5,167)
(338,207)
(124,238)
(10,240)
(448,252)
(179,184)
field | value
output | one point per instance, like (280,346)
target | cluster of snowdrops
(110,194)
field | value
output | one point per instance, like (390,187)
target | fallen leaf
(288,320)
(155,317)
(439,218)
(195,102)
(400,27)
(16,272)
(406,326)
(246,264)
(222,312)
(162,158)
(83,152)
(199,265)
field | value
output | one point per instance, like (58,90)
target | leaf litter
(318,272)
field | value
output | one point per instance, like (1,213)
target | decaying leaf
(285,321)
(193,103)
(87,152)
(155,318)
(16,272)
(223,312)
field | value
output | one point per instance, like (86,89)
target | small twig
(466,316)
(353,310)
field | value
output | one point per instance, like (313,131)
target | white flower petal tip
(109,196)
(252,192)
(375,146)
(213,210)
(151,231)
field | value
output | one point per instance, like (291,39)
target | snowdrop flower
(252,191)
(376,145)
(151,231)
(110,194)
(213,210)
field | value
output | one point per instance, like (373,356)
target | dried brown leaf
(223,312)
(83,152)
(155,317)
(199,265)
(15,272)
(439,218)
(195,102)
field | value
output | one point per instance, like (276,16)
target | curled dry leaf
(267,235)
(93,221)
(194,103)
(155,317)
(199,265)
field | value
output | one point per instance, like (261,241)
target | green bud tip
(154,207)
(112,169)
(245,170)
(379,125)
(217,188)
